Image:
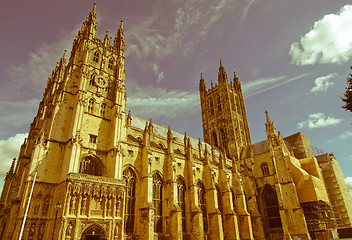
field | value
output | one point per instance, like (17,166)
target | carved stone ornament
(100,81)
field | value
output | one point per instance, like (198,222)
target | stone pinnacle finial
(267,116)
(121,24)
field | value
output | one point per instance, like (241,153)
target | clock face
(100,81)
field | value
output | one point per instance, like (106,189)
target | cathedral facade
(90,170)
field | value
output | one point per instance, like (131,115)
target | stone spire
(202,85)
(270,130)
(119,41)
(222,75)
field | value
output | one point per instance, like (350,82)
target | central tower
(224,116)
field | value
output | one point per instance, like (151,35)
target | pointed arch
(271,207)
(91,165)
(91,105)
(130,198)
(91,79)
(94,232)
(96,56)
(202,204)
(265,169)
(181,199)
(102,109)
(158,202)
(111,63)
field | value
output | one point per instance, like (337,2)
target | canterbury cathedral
(89,170)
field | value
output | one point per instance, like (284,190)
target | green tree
(347,95)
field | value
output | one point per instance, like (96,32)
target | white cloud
(34,73)
(160,77)
(328,42)
(348,181)
(318,120)
(346,134)
(9,148)
(16,114)
(322,83)
(265,84)
(157,103)
(246,9)
(192,21)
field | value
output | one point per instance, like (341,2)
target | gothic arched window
(158,202)
(202,204)
(91,80)
(90,166)
(211,105)
(96,56)
(102,109)
(130,179)
(265,169)
(271,207)
(181,197)
(218,101)
(111,63)
(91,105)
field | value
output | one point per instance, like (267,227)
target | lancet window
(265,169)
(96,56)
(158,203)
(102,109)
(91,105)
(111,63)
(130,179)
(181,192)
(271,207)
(202,205)
(91,80)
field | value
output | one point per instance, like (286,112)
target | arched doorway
(93,232)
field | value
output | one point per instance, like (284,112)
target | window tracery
(202,205)
(181,188)
(90,166)
(157,201)
(265,169)
(91,105)
(111,63)
(96,56)
(130,179)
(271,206)
(102,109)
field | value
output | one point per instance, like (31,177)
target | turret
(119,41)
(202,84)
(89,27)
(222,75)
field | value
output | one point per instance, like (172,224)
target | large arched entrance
(93,232)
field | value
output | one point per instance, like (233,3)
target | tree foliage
(347,95)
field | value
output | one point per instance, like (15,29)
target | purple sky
(292,58)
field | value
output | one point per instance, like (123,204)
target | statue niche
(91,166)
